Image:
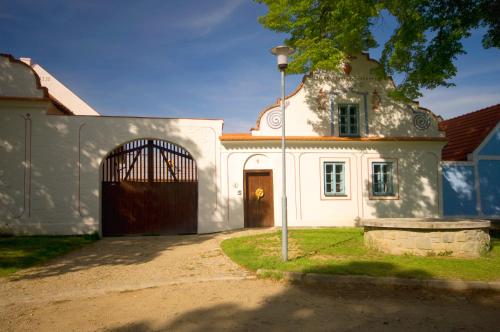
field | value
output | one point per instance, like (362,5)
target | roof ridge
(473,112)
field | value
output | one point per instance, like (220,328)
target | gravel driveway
(186,283)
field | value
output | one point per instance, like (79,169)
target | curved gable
(313,108)
(18,80)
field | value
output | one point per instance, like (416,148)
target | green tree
(423,47)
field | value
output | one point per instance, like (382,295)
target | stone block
(439,246)
(408,243)
(402,235)
(448,237)
(461,237)
(436,235)
(436,240)
(423,243)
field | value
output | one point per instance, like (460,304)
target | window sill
(335,197)
(384,197)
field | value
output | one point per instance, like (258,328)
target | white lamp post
(282,53)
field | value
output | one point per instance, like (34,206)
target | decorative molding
(365,108)
(297,90)
(421,120)
(27,166)
(79,165)
(249,137)
(347,68)
(274,119)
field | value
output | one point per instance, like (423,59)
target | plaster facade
(50,164)
(404,134)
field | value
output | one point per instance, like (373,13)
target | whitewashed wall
(417,180)
(50,166)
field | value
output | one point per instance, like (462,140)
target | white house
(353,153)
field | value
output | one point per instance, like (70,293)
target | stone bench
(428,237)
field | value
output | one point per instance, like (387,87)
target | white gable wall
(308,110)
(17,80)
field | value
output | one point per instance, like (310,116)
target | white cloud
(205,21)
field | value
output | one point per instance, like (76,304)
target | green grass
(20,252)
(341,251)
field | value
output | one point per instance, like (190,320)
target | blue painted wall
(459,196)
(489,182)
(492,148)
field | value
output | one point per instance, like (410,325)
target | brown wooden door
(149,208)
(149,187)
(259,206)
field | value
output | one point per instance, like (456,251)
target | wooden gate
(149,187)
(259,205)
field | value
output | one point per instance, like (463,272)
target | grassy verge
(341,251)
(19,252)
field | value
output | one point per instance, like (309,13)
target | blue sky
(183,58)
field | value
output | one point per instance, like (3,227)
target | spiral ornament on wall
(421,120)
(274,119)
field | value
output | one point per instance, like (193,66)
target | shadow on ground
(308,308)
(111,251)
(369,268)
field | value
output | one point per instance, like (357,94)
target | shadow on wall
(129,130)
(54,183)
(386,117)
(416,168)
(459,195)
(416,174)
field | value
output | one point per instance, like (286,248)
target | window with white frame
(348,120)
(334,176)
(383,178)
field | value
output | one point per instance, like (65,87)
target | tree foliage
(422,48)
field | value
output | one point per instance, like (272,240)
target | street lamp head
(282,52)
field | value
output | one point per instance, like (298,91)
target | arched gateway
(149,187)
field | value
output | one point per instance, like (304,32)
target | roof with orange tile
(249,137)
(467,131)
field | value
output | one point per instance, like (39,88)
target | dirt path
(120,264)
(186,283)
